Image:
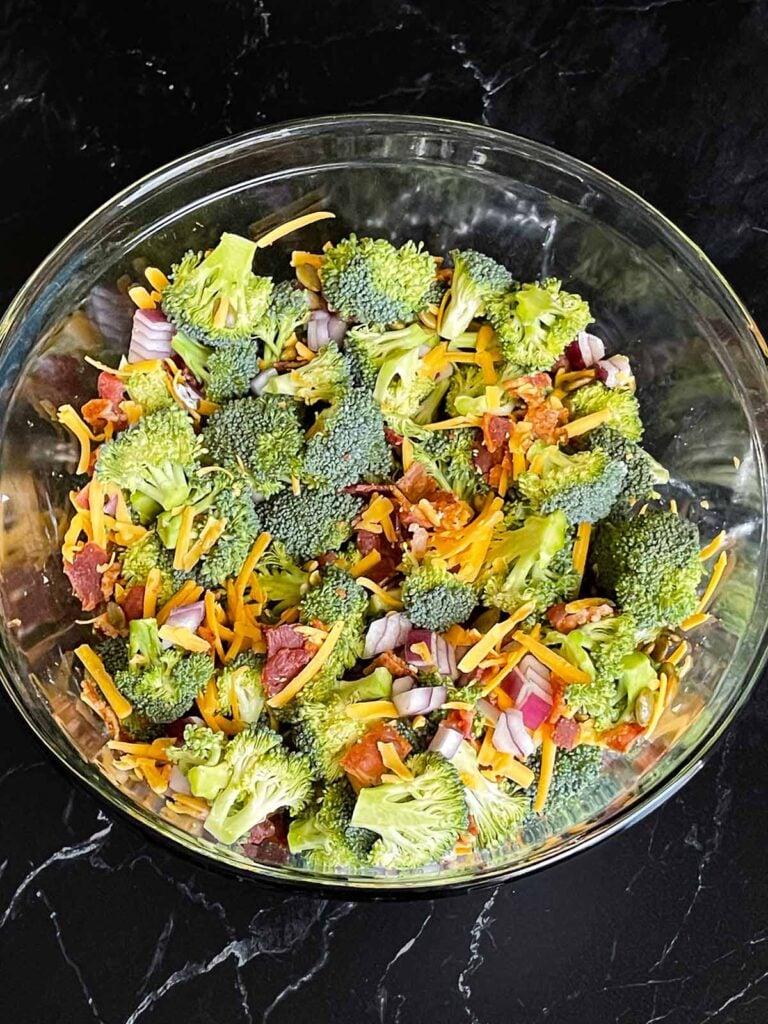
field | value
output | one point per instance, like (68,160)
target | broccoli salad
(379,571)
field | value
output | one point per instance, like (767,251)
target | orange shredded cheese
(151,590)
(191,806)
(293,225)
(69,418)
(562,668)
(260,546)
(188,593)
(141,297)
(581,547)
(441,310)
(585,423)
(511,660)
(435,361)
(387,599)
(377,517)
(393,761)
(212,622)
(157,749)
(366,562)
(407,453)
(300,258)
(548,751)
(455,421)
(658,707)
(310,670)
(207,702)
(81,523)
(156,278)
(180,636)
(96,503)
(712,547)
(493,638)
(518,464)
(213,529)
(586,602)
(185,536)
(697,619)
(717,572)
(370,710)
(94,666)
(679,653)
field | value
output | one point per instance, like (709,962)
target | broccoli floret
(226,372)
(417,820)
(160,683)
(338,596)
(349,443)
(232,502)
(259,436)
(325,836)
(202,746)
(476,278)
(637,674)
(325,732)
(644,473)
(466,381)
(113,651)
(363,368)
(435,598)
(496,808)
(584,486)
(153,459)
(651,564)
(448,457)
(622,406)
(530,563)
(281,580)
(324,379)
(311,523)
(150,390)
(218,299)
(574,773)
(150,553)
(535,323)
(371,281)
(239,687)
(262,778)
(287,310)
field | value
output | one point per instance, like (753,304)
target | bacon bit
(546,422)
(287,654)
(566,733)
(92,697)
(388,551)
(416,484)
(84,575)
(621,737)
(108,579)
(496,430)
(111,387)
(559,706)
(363,761)
(392,437)
(392,662)
(133,604)
(565,621)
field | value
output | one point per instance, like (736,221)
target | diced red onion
(532,666)
(442,655)
(402,685)
(188,616)
(337,328)
(318,329)
(519,686)
(178,781)
(488,710)
(420,700)
(585,351)
(110,505)
(191,396)
(535,710)
(446,741)
(615,372)
(386,634)
(151,336)
(260,381)
(511,736)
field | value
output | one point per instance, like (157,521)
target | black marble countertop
(665,922)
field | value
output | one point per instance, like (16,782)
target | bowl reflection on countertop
(696,353)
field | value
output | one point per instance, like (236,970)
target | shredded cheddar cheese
(548,751)
(70,419)
(697,619)
(581,547)
(713,547)
(366,562)
(179,636)
(717,572)
(586,423)
(94,666)
(493,638)
(393,761)
(141,297)
(562,668)
(370,710)
(188,593)
(387,599)
(293,225)
(151,590)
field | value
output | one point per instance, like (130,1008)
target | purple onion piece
(110,505)
(188,616)
(386,634)
(488,710)
(151,336)
(178,781)
(446,741)
(402,685)
(318,334)
(517,730)
(420,700)
(337,329)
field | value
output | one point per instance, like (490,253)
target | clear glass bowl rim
(685,248)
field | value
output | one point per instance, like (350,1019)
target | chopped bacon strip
(416,484)
(621,737)
(287,654)
(85,577)
(363,490)
(545,421)
(133,605)
(108,579)
(495,432)
(110,387)
(566,733)
(460,720)
(394,664)
(564,621)
(363,759)
(392,437)
(389,551)
(106,408)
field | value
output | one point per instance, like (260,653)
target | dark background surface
(666,922)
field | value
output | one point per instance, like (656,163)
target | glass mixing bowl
(698,357)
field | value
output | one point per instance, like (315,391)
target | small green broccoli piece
(324,379)
(476,278)
(584,486)
(497,809)
(417,820)
(371,281)
(226,372)
(535,323)
(150,553)
(153,459)
(262,778)
(231,501)
(435,598)
(651,565)
(362,366)
(150,390)
(531,563)
(349,444)
(217,299)
(113,651)
(325,836)
(338,596)
(281,580)
(287,310)
(448,457)
(238,685)
(311,523)
(325,732)
(644,473)
(261,437)
(622,406)
(202,746)
(160,683)
(465,383)
(575,772)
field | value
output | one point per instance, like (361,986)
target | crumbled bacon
(287,654)
(392,437)
(566,733)
(91,695)
(111,387)
(133,605)
(565,621)
(394,664)
(108,580)
(84,575)
(495,432)
(106,408)
(389,551)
